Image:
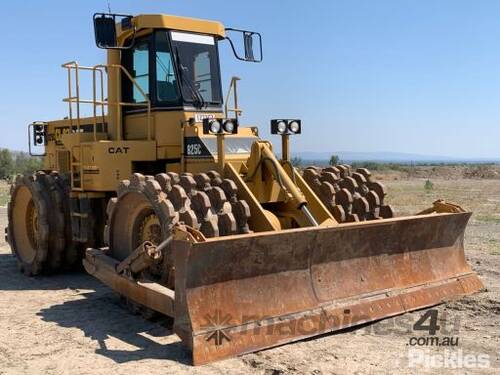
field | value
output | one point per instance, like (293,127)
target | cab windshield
(197,67)
(173,68)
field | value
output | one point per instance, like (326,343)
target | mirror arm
(246,33)
(234,49)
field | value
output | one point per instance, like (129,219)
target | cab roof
(164,21)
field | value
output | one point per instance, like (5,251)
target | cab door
(137,61)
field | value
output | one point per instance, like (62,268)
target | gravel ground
(71,324)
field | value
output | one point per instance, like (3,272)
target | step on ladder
(77,168)
(81,224)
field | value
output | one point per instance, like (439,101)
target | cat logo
(118,150)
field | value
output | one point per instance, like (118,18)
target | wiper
(198,100)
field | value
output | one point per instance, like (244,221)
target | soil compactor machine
(183,212)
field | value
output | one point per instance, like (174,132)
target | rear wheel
(39,229)
(73,253)
(28,228)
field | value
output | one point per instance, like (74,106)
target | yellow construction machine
(184,212)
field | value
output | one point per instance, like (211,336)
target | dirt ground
(71,324)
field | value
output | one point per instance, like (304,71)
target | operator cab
(164,83)
(174,60)
(176,69)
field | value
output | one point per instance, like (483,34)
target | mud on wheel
(146,209)
(73,252)
(349,195)
(36,223)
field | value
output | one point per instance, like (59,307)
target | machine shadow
(101,316)
(12,279)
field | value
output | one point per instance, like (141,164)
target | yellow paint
(163,21)
(99,158)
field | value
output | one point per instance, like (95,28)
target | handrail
(102,103)
(97,74)
(233,88)
(73,65)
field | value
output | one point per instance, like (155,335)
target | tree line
(298,162)
(12,163)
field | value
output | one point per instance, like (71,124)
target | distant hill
(390,157)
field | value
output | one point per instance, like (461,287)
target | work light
(282,127)
(220,126)
(285,127)
(229,126)
(294,127)
(215,126)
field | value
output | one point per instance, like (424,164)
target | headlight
(286,127)
(229,126)
(294,127)
(281,127)
(215,127)
(218,126)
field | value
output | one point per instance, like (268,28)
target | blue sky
(418,76)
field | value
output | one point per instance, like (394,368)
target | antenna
(109,7)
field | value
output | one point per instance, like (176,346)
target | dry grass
(494,218)
(481,196)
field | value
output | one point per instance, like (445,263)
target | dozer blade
(243,293)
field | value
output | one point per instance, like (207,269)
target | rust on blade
(244,293)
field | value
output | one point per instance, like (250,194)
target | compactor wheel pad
(349,195)
(39,230)
(57,220)
(36,223)
(146,209)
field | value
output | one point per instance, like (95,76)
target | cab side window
(140,70)
(166,83)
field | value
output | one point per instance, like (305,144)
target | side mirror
(105,30)
(252,45)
